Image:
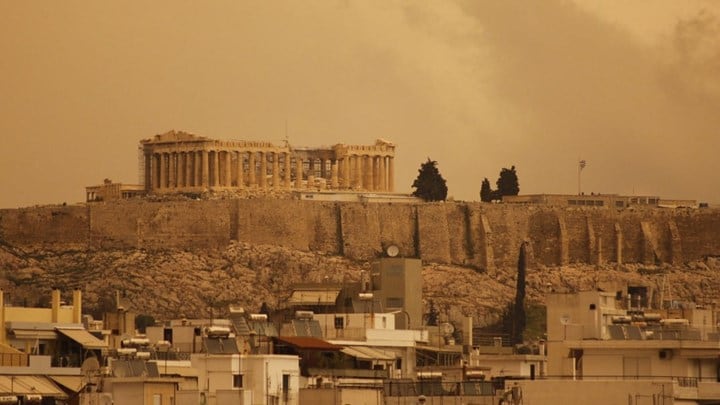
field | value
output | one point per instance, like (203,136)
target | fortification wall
(51,224)
(486,236)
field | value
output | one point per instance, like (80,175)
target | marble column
(376,172)
(252,181)
(334,174)
(323,168)
(276,170)
(157,165)
(181,169)
(383,174)
(188,169)
(228,169)
(240,164)
(287,170)
(216,169)
(367,171)
(299,173)
(358,172)
(197,166)
(205,176)
(172,171)
(346,172)
(263,170)
(391,175)
(147,160)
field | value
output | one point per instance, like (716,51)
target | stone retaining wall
(484,236)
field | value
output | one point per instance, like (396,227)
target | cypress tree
(429,184)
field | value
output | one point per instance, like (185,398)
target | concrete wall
(637,392)
(478,235)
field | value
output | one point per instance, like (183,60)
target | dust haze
(477,86)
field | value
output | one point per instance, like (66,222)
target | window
(168,334)
(286,385)
(237,380)
(157,399)
(339,322)
(619,204)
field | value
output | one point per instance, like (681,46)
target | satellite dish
(446,329)
(565,319)
(90,366)
(392,251)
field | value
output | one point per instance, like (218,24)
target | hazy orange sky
(632,87)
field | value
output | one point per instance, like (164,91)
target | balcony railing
(663,332)
(438,388)
(13,359)
(349,373)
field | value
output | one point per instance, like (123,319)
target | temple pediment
(174,136)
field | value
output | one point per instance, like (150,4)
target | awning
(314,297)
(7,349)
(34,334)
(29,385)
(308,343)
(83,337)
(72,382)
(368,353)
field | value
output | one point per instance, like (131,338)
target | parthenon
(176,162)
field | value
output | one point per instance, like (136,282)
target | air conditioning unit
(304,314)
(217,331)
(126,351)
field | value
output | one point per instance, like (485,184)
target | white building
(247,379)
(597,350)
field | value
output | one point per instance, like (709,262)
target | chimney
(77,306)
(55,305)
(3,338)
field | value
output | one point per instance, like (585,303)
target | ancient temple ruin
(179,162)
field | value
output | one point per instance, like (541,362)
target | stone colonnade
(180,162)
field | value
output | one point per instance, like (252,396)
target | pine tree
(429,184)
(486,193)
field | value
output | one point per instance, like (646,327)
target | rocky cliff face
(167,283)
(476,235)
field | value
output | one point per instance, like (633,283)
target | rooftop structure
(600,341)
(109,191)
(43,351)
(597,200)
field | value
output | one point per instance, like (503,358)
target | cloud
(476,86)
